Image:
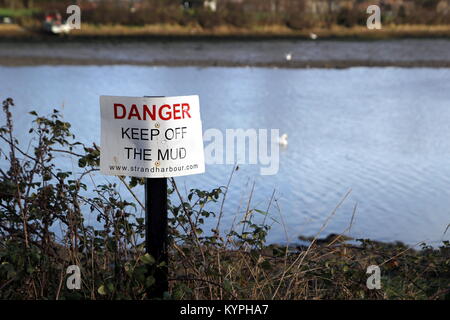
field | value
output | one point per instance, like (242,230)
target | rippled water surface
(382,133)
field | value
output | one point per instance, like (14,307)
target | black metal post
(156,233)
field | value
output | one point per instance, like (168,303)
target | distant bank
(89,31)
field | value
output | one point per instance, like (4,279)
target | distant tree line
(296,14)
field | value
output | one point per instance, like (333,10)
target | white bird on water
(313,36)
(283,140)
(288,56)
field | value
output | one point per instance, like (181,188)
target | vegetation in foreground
(45,227)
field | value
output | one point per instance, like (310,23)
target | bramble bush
(45,227)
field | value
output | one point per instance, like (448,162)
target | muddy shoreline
(36,61)
(280,53)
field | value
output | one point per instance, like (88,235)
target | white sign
(151,137)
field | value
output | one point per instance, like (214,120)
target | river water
(380,133)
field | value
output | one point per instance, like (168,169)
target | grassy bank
(44,228)
(18,13)
(90,31)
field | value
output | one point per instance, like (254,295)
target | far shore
(163,31)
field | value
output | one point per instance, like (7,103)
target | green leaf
(262,212)
(227,285)
(110,287)
(148,259)
(101,290)
(82,162)
(150,281)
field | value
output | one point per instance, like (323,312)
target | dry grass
(11,30)
(391,31)
(90,30)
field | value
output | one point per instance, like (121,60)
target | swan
(313,36)
(283,140)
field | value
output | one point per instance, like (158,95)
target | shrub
(235,15)
(43,230)
(208,19)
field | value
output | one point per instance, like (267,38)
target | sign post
(156,236)
(152,138)
(156,232)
